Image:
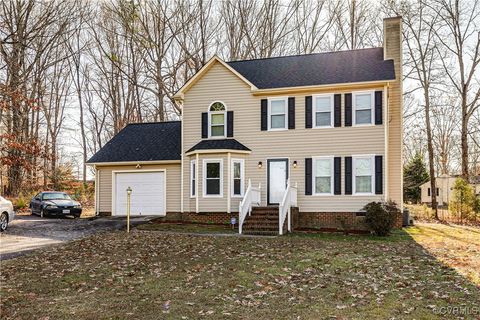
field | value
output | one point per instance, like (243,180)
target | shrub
(380,217)
(462,204)
(21,202)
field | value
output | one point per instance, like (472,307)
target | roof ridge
(153,122)
(305,54)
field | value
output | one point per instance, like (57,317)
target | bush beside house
(381,216)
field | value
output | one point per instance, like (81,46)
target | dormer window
(216,120)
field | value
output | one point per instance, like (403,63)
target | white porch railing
(285,209)
(251,197)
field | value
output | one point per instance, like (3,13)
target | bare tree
(445,122)
(30,32)
(421,55)
(460,38)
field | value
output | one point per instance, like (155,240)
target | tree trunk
(431,161)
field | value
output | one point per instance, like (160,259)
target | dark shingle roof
(224,144)
(317,69)
(142,142)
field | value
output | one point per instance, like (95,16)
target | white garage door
(148,193)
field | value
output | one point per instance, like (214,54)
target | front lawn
(152,275)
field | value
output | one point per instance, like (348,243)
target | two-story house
(306,140)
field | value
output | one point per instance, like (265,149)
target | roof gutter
(126,163)
(209,151)
(336,86)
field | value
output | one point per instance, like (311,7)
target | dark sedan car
(54,203)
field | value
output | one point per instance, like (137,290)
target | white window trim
(210,113)
(269,113)
(204,178)
(354,174)
(314,120)
(193,179)
(372,108)
(242,178)
(314,175)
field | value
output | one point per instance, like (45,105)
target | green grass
(154,275)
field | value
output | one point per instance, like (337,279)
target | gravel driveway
(27,233)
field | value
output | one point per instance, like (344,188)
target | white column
(96,189)
(229,182)
(197,192)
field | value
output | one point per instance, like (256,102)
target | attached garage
(146,158)
(148,192)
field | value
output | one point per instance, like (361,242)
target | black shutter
(308,112)
(337,179)
(378,175)
(348,175)
(204,125)
(264,114)
(229,123)
(308,176)
(348,109)
(337,113)
(378,107)
(429,192)
(291,113)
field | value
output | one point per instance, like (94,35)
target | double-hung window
(277,114)
(363,174)
(237,178)
(212,178)
(216,119)
(363,108)
(193,178)
(323,111)
(323,175)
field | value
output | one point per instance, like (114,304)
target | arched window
(216,119)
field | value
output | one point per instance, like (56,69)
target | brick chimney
(392,49)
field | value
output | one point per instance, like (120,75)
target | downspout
(387,124)
(182,165)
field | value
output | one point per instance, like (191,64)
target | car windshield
(55,196)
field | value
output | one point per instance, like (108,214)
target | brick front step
(262,221)
(261,232)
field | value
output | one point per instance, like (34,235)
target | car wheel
(3,222)
(43,214)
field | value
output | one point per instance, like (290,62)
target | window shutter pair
(229,124)
(378,175)
(264,114)
(337,111)
(378,108)
(336,176)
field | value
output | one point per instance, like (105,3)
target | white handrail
(251,197)
(285,208)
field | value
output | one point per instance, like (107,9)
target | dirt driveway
(27,233)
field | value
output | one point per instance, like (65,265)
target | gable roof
(215,59)
(138,142)
(218,144)
(317,69)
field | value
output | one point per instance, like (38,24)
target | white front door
(277,179)
(148,193)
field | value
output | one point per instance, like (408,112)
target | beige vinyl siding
(173,184)
(393,50)
(221,84)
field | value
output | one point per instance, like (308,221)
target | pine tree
(414,175)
